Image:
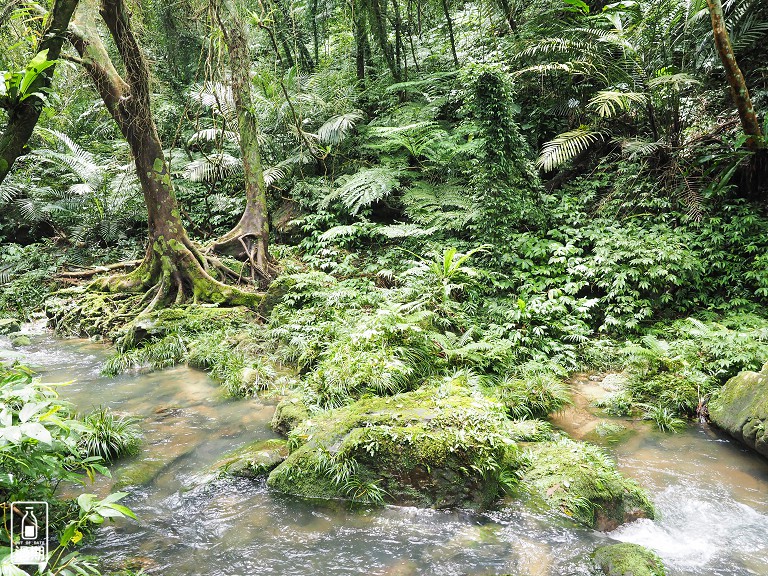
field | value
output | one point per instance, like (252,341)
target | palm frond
(336,129)
(212,167)
(607,103)
(566,147)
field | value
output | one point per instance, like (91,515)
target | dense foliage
(498,193)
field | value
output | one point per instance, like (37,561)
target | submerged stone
(439,446)
(9,325)
(20,340)
(741,409)
(581,481)
(627,559)
(255,459)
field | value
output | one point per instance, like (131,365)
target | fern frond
(365,188)
(566,147)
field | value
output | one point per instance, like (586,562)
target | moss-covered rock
(741,409)
(290,413)
(77,312)
(254,460)
(20,340)
(437,446)
(281,286)
(9,325)
(581,481)
(628,560)
(192,318)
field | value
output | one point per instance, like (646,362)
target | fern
(566,147)
(365,188)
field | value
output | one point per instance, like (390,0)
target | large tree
(173,268)
(736,81)
(24,110)
(249,238)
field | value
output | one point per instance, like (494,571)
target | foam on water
(701,531)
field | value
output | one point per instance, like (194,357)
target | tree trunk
(23,119)
(361,38)
(448,19)
(249,239)
(380,31)
(738,85)
(173,269)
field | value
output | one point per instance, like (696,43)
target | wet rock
(20,340)
(437,446)
(9,325)
(275,293)
(582,482)
(289,414)
(254,460)
(628,560)
(741,409)
(192,318)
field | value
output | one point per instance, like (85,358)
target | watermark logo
(29,533)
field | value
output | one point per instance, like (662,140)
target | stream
(711,495)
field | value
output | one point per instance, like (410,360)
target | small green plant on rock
(109,435)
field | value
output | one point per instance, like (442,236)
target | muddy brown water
(712,495)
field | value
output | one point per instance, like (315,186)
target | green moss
(582,482)
(189,319)
(628,560)
(741,409)
(289,414)
(275,293)
(437,446)
(607,433)
(21,340)
(255,459)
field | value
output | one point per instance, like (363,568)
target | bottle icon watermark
(29,533)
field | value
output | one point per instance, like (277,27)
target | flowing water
(711,494)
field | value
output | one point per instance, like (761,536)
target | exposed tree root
(248,246)
(172,273)
(93,271)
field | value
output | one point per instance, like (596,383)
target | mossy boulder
(20,340)
(192,318)
(77,312)
(439,446)
(741,409)
(580,480)
(9,325)
(289,414)
(255,459)
(627,559)
(275,294)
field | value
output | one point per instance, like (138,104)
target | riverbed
(711,494)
